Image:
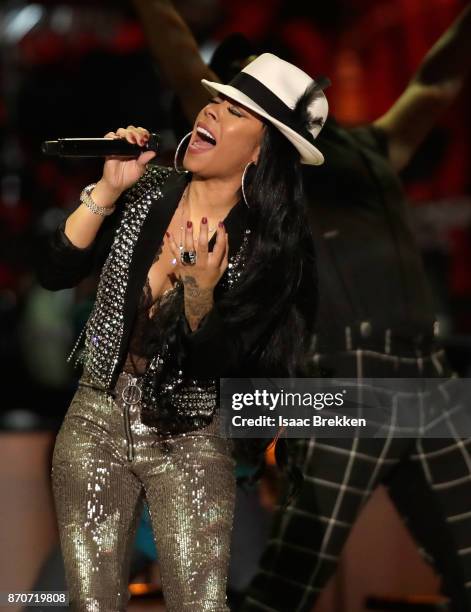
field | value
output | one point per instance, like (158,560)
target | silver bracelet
(86,199)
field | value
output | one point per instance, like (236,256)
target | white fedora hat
(275,89)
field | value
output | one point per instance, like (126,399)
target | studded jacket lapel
(151,236)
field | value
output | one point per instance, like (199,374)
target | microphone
(98,147)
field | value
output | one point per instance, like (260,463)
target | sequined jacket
(123,249)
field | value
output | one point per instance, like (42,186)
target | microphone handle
(97,147)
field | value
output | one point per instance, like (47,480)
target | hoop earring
(175,159)
(243,182)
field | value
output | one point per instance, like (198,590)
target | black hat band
(270,102)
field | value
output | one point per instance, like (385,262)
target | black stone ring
(188,258)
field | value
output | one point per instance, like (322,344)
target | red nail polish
(221,224)
(167,234)
(189,224)
(204,220)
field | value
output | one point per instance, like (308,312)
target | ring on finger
(188,258)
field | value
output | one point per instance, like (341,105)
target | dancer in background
(376,319)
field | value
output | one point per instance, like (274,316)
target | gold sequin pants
(105,461)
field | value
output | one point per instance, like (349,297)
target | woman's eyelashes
(231,109)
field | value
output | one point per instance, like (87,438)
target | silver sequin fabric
(105,462)
(236,264)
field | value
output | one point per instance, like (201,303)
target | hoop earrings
(243,182)
(175,159)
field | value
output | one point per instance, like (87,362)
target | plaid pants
(432,474)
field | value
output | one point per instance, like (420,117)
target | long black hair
(280,277)
(281,259)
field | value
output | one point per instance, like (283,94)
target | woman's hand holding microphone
(120,174)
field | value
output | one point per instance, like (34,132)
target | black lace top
(146,317)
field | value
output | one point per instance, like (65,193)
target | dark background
(82,68)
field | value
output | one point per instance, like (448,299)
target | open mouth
(204,139)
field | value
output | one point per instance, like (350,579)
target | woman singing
(207,271)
